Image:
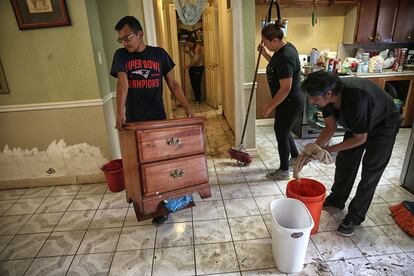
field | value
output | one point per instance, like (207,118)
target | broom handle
(251,95)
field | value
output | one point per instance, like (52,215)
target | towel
(311,151)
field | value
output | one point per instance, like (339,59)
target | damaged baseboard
(51,181)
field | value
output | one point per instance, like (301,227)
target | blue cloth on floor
(176,204)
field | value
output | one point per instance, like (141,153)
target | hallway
(86,229)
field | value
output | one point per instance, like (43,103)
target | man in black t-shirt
(140,69)
(371,121)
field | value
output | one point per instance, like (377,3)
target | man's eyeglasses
(125,38)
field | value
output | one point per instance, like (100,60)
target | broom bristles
(403,217)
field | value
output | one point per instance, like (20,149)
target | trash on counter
(400,58)
(376,64)
(314,56)
(349,65)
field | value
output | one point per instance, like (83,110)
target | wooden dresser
(163,160)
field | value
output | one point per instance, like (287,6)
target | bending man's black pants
(378,150)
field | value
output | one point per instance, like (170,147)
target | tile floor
(87,230)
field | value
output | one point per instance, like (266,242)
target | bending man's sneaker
(278,175)
(330,203)
(347,228)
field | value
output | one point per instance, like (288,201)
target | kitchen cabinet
(163,160)
(408,108)
(376,20)
(404,25)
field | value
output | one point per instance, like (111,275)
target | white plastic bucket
(291,227)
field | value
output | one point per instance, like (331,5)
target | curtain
(190,11)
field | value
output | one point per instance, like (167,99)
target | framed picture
(3,84)
(33,14)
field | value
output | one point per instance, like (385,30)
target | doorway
(206,32)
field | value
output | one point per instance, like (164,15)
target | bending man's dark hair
(320,82)
(131,21)
(271,31)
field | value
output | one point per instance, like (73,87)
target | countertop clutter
(362,63)
(391,69)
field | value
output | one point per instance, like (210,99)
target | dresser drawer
(161,144)
(165,176)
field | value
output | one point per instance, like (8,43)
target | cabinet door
(404,26)
(386,20)
(367,21)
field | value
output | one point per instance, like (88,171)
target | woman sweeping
(283,76)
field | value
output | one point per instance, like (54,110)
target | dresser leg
(139,215)
(204,192)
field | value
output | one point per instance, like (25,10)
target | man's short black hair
(131,21)
(320,82)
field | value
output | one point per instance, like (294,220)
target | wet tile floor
(87,230)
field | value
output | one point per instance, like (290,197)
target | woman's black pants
(196,73)
(286,114)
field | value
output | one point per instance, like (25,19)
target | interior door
(211,56)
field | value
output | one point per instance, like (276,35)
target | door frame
(238,62)
(238,59)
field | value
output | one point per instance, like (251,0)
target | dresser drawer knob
(174,141)
(177,173)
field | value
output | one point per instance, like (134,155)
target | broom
(238,152)
(403,215)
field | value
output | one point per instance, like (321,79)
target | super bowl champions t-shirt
(145,71)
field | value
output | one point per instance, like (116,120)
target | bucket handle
(296,235)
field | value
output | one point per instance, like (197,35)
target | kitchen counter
(379,78)
(384,74)
(370,75)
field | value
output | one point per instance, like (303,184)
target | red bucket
(114,175)
(311,193)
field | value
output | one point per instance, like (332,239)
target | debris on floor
(59,159)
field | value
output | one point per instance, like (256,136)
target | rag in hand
(313,151)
